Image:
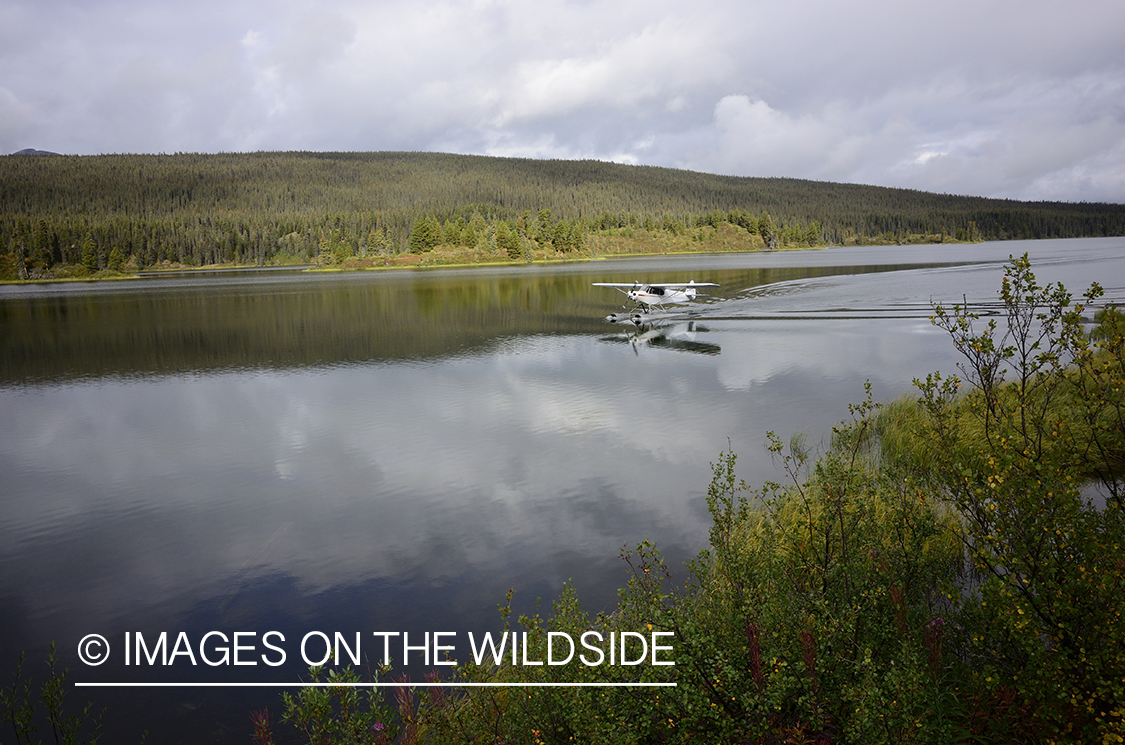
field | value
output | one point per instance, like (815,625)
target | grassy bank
(724,237)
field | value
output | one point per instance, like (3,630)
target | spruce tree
(508,240)
(89,254)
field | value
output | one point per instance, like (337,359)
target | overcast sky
(1011,98)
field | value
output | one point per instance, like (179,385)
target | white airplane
(651,296)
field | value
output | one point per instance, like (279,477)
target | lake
(395,451)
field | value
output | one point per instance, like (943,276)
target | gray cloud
(1009,99)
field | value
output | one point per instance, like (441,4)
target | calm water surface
(395,451)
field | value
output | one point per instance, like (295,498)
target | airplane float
(645,297)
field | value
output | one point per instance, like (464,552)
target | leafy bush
(19,708)
(1016,456)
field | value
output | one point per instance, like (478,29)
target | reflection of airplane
(646,297)
(679,336)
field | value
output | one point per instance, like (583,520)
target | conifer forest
(78,216)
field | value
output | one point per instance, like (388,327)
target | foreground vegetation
(941,573)
(76,217)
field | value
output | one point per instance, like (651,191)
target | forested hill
(194,208)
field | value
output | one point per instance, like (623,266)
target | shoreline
(419,262)
(313,268)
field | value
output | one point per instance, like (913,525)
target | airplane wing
(667,285)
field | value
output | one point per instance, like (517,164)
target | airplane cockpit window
(656,290)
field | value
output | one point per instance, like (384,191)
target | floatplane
(647,297)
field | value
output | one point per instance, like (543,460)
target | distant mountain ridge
(33,151)
(211,208)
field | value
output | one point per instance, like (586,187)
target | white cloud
(1026,138)
(753,138)
(623,74)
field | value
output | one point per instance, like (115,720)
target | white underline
(374,685)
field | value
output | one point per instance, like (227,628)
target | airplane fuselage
(657,295)
(649,296)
